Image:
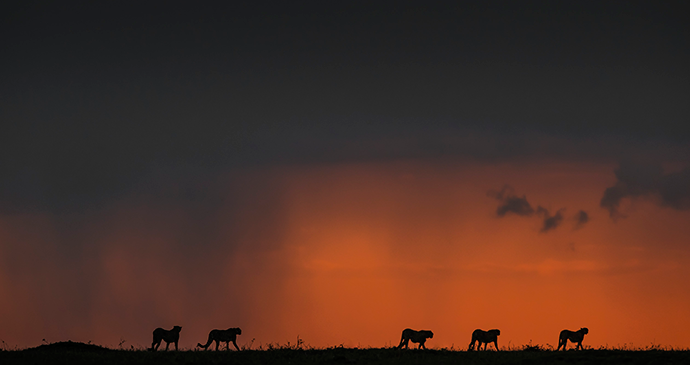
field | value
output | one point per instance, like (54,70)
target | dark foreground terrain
(79,353)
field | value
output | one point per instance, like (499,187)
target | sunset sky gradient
(340,173)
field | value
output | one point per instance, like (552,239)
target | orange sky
(352,254)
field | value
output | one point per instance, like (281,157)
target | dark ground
(79,353)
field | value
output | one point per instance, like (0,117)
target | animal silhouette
(484,337)
(419,337)
(574,337)
(168,336)
(219,336)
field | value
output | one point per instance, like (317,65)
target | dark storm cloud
(581,218)
(511,203)
(102,100)
(640,179)
(550,221)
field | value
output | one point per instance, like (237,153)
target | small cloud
(511,203)
(637,179)
(581,218)
(550,221)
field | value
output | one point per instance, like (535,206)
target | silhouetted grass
(298,353)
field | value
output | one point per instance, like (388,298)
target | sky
(340,172)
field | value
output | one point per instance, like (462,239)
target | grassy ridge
(340,356)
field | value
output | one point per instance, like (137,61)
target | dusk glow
(351,253)
(300,180)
